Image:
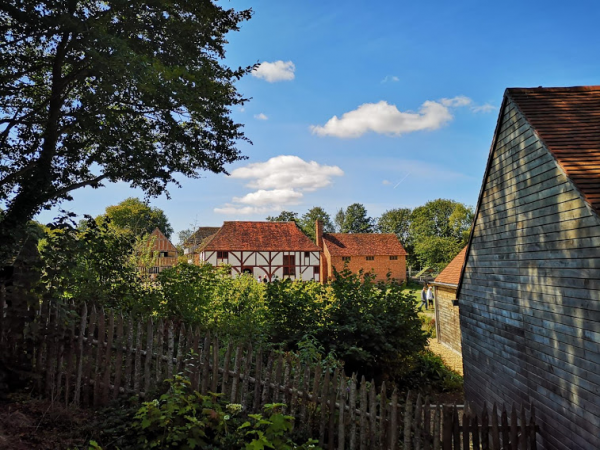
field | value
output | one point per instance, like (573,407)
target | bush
(428,373)
(185,419)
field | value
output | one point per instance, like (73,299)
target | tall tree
(137,217)
(356,220)
(396,221)
(339,220)
(120,90)
(284,216)
(308,219)
(439,230)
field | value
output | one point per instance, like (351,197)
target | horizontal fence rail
(100,355)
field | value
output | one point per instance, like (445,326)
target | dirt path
(451,358)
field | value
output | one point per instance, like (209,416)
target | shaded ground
(27,424)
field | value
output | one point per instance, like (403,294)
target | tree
(308,219)
(284,216)
(449,222)
(339,220)
(396,221)
(137,217)
(95,91)
(184,235)
(355,220)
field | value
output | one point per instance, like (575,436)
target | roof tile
(567,120)
(451,274)
(259,236)
(359,244)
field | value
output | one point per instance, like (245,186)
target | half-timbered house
(381,254)
(529,293)
(447,320)
(266,249)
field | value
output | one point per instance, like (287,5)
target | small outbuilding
(529,293)
(447,319)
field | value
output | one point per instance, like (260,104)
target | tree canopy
(118,91)
(354,219)
(439,230)
(138,217)
(284,216)
(308,219)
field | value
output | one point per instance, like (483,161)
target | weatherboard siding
(447,317)
(530,298)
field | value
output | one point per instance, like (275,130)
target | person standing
(423,298)
(430,296)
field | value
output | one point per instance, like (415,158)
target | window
(246,270)
(222,255)
(153,270)
(163,254)
(346,258)
(370,258)
(307,254)
(316,270)
(289,263)
(393,258)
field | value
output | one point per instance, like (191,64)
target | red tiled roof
(360,244)
(161,243)
(567,120)
(259,236)
(451,274)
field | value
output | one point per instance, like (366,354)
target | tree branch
(72,187)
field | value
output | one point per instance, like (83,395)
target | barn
(529,293)
(447,320)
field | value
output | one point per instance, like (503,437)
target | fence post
(447,427)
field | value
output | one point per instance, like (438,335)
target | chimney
(319,233)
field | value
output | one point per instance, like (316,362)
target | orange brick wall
(381,265)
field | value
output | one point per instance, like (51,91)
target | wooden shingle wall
(448,331)
(530,295)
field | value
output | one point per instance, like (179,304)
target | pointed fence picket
(101,355)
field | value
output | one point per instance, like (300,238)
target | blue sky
(415,87)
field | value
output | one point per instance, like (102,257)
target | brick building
(370,252)
(447,318)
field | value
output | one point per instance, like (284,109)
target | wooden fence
(98,356)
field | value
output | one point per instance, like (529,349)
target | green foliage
(439,230)
(308,219)
(137,217)
(293,309)
(354,220)
(118,91)
(284,216)
(428,373)
(185,419)
(373,327)
(89,264)
(209,297)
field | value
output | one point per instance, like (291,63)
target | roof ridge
(555,89)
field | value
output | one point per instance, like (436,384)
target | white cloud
(383,118)
(279,182)
(261,116)
(264,197)
(392,78)
(483,108)
(287,172)
(386,182)
(458,101)
(275,71)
